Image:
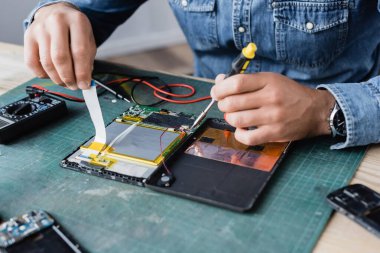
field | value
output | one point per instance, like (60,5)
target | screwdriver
(239,65)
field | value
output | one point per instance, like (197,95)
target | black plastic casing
(28,124)
(209,181)
(358,203)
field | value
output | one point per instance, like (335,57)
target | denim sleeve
(360,103)
(104,16)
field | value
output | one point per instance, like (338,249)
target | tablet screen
(221,145)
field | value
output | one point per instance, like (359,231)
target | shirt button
(309,26)
(241,29)
(184,3)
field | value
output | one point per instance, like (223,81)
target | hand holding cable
(60,44)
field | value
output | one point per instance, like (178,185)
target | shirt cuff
(29,20)
(361,111)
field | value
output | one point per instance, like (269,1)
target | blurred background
(150,39)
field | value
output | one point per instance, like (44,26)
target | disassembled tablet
(140,140)
(156,148)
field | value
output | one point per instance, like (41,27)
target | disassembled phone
(35,231)
(156,148)
(360,204)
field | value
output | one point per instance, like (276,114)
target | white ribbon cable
(92,102)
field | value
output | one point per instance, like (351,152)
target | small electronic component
(166,180)
(140,139)
(19,228)
(29,113)
(166,120)
(35,231)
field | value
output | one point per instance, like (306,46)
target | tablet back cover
(210,169)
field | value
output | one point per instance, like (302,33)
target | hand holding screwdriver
(239,65)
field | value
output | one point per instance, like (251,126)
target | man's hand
(60,44)
(280,108)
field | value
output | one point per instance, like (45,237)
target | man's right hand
(60,44)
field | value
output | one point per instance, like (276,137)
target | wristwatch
(337,122)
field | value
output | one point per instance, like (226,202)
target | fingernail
(83,85)
(212,93)
(219,77)
(71,86)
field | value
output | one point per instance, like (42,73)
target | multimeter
(29,113)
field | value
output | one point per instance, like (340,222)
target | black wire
(105,79)
(165,88)
(136,83)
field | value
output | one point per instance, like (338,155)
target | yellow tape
(101,161)
(97,146)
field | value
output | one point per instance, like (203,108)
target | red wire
(162,153)
(158,90)
(57,93)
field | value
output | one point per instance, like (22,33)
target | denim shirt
(326,44)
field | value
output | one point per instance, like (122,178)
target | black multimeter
(29,113)
(360,204)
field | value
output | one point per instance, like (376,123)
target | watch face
(339,123)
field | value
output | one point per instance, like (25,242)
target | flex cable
(92,102)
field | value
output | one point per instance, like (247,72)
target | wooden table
(340,235)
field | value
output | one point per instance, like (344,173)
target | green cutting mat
(107,216)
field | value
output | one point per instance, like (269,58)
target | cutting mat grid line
(107,216)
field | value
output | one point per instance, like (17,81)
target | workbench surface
(340,235)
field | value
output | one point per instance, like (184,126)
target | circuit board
(18,228)
(140,140)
